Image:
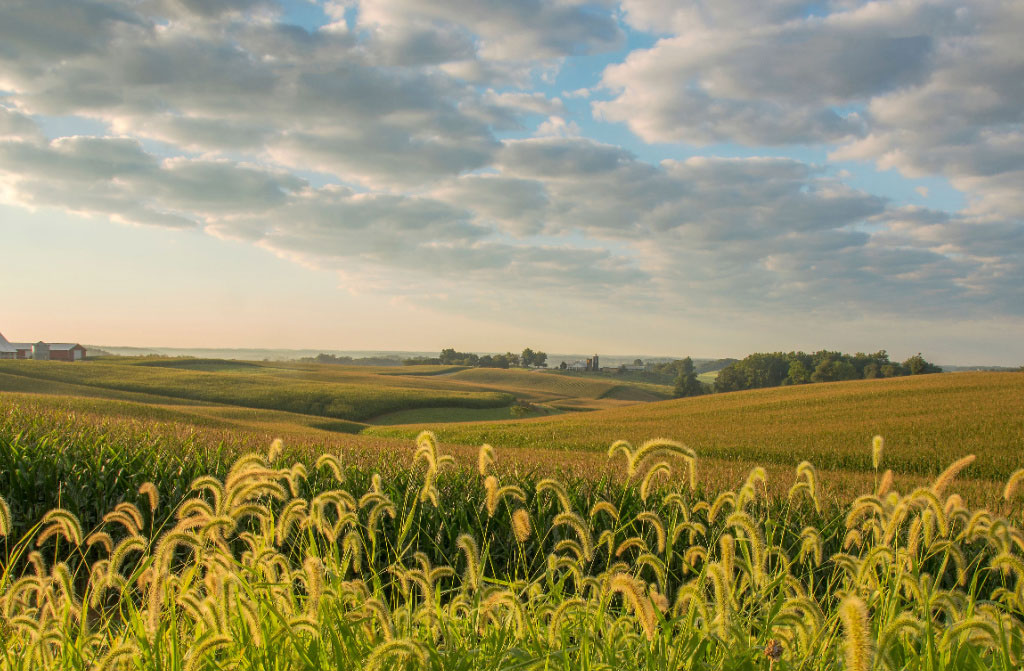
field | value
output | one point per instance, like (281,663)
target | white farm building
(41,351)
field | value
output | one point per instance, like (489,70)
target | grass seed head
(274,453)
(152,493)
(632,591)
(856,634)
(948,475)
(886,483)
(5,517)
(877,448)
(521,525)
(1012,485)
(471,550)
(485,458)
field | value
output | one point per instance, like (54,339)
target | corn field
(277,565)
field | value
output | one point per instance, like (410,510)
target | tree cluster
(773,369)
(686,382)
(451,357)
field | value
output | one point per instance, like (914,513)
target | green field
(454,415)
(384,556)
(353,393)
(708,378)
(926,420)
(298,390)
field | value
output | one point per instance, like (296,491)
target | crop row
(284,565)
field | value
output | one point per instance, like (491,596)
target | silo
(41,351)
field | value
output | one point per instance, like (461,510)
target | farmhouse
(41,351)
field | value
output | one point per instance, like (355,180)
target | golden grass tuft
(857,644)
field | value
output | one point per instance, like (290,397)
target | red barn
(66,351)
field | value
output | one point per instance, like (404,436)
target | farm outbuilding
(66,351)
(7,350)
(41,351)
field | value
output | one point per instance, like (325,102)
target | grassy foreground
(281,565)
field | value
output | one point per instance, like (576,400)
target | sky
(667,177)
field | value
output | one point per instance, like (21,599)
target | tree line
(774,369)
(450,357)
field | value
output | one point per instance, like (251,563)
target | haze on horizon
(649,176)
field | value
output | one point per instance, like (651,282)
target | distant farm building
(41,351)
(592,364)
(7,350)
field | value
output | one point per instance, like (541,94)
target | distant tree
(687,383)
(889,370)
(731,378)
(916,365)
(798,373)
(563,365)
(540,359)
(527,357)
(638,362)
(449,357)
(834,370)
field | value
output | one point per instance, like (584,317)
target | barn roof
(6,346)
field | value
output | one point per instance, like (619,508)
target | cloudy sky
(644,176)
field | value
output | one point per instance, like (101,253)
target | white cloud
(556,126)
(407,110)
(927,87)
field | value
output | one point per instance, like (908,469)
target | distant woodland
(449,357)
(758,370)
(774,369)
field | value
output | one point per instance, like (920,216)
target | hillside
(353,393)
(294,390)
(927,422)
